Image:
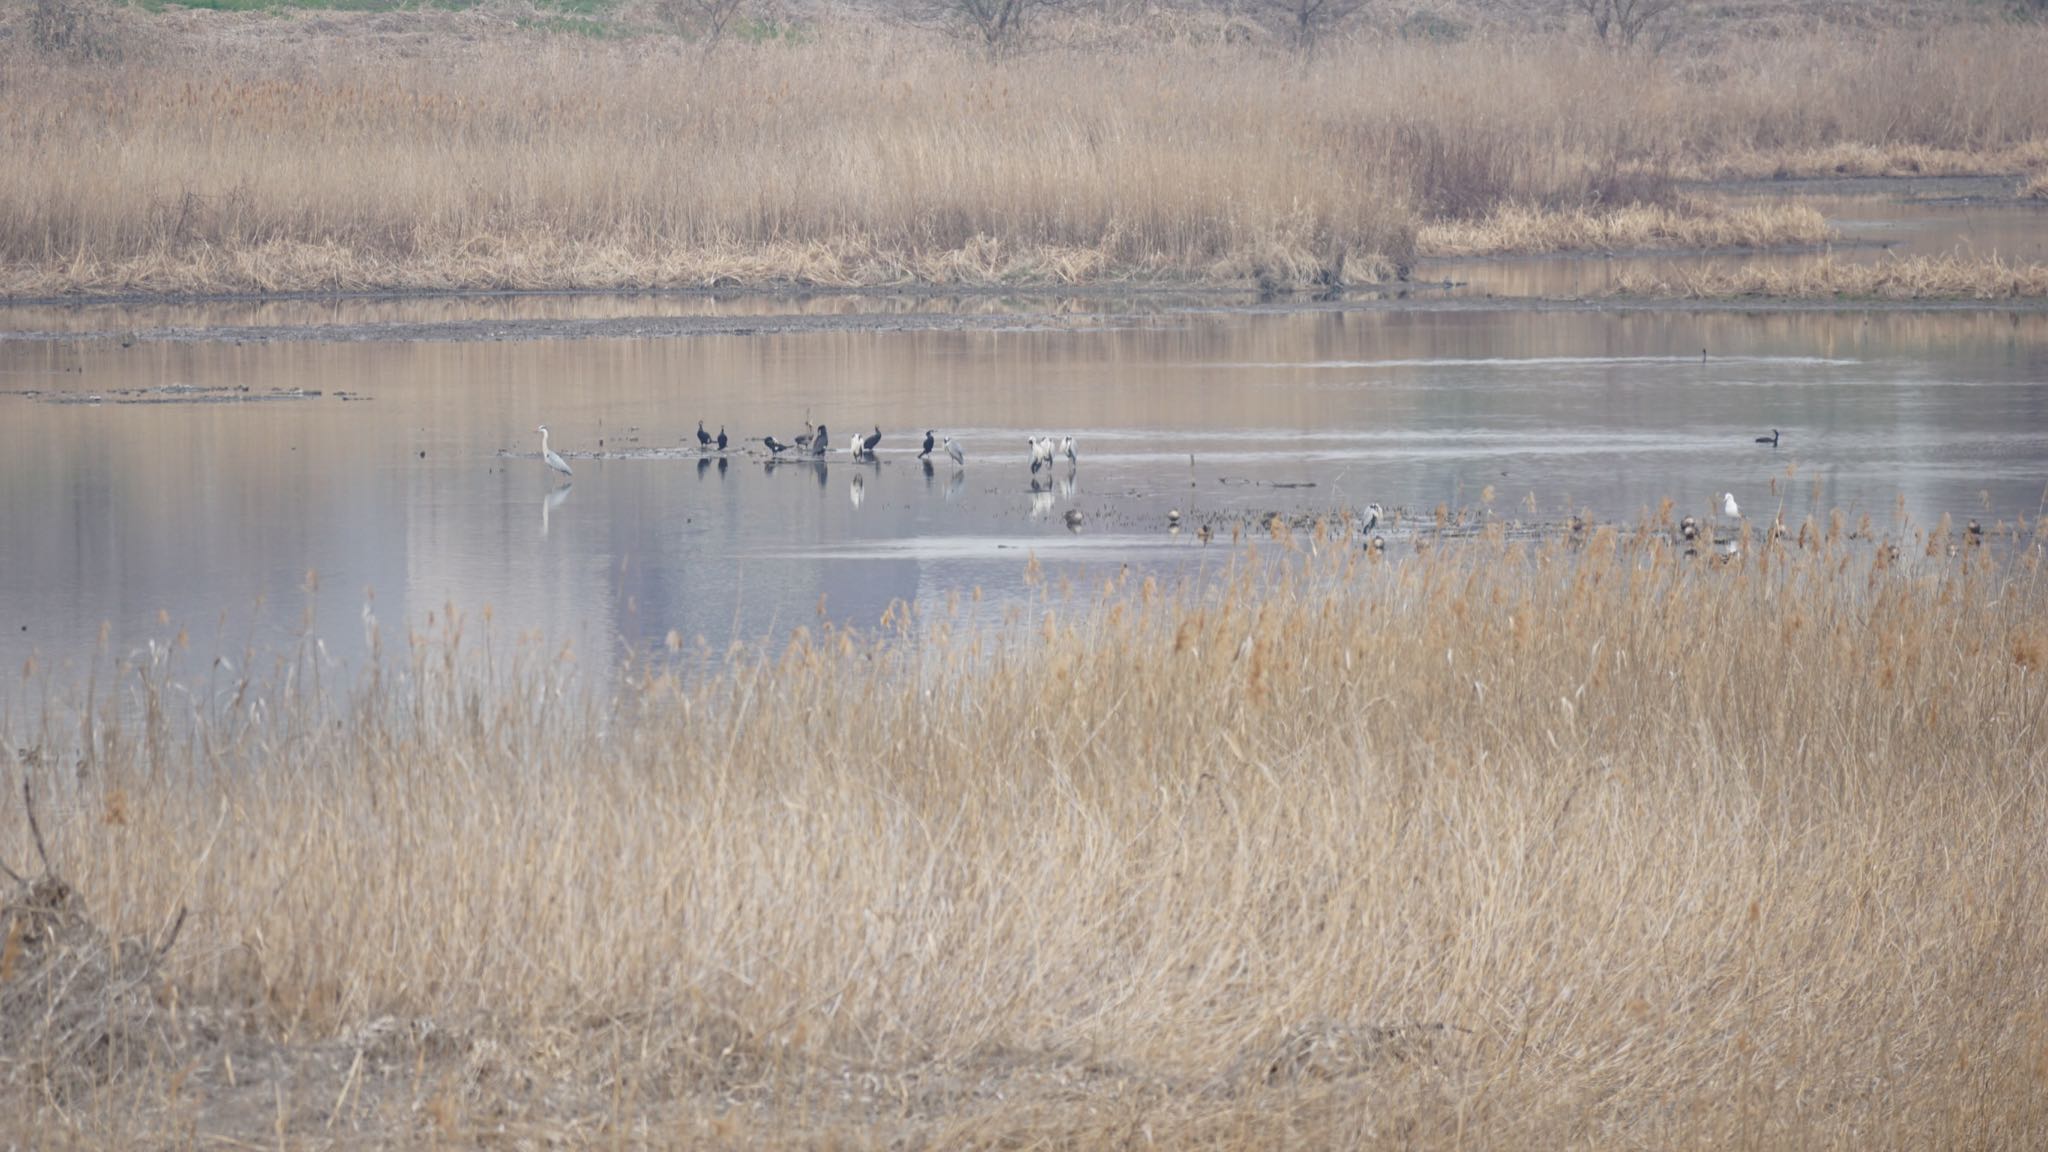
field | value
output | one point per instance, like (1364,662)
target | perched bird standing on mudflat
(703,437)
(721,437)
(928,442)
(1729,507)
(820,439)
(868,445)
(954,450)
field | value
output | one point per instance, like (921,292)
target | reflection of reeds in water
(1514,842)
(882,157)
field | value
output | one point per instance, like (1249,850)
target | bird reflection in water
(552,501)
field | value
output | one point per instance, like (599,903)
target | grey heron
(928,444)
(548,455)
(1067,450)
(703,437)
(1373,512)
(810,431)
(1729,507)
(956,452)
(1772,439)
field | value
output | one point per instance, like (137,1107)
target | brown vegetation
(1587,842)
(1909,278)
(1517,228)
(489,157)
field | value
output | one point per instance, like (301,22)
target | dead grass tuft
(1909,278)
(1516,228)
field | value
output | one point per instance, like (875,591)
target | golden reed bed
(237,156)
(1584,842)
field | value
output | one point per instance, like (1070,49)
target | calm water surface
(179,497)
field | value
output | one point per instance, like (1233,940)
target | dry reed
(1517,228)
(859,156)
(1952,277)
(1577,843)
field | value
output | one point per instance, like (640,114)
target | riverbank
(249,155)
(1344,844)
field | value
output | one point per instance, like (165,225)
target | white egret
(548,455)
(1728,506)
(853,445)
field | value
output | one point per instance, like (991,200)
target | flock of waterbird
(1041,451)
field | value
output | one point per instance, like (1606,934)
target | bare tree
(707,18)
(1306,22)
(999,23)
(1622,23)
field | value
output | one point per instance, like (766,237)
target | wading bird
(1728,506)
(810,431)
(868,445)
(928,442)
(1067,450)
(1373,512)
(1073,519)
(1772,439)
(721,437)
(703,437)
(956,452)
(547,454)
(853,445)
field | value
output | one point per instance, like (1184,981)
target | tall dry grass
(1951,277)
(1585,842)
(864,156)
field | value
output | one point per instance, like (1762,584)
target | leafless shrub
(78,29)
(1305,23)
(707,19)
(999,24)
(1624,23)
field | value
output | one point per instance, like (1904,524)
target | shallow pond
(153,478)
